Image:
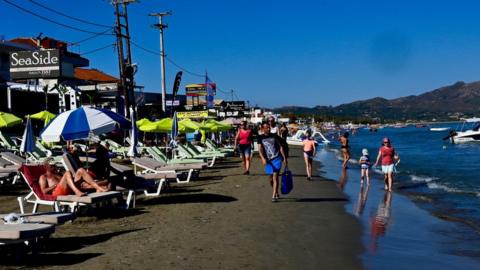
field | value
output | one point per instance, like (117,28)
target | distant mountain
(447,103)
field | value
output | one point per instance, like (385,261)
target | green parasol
(8,120)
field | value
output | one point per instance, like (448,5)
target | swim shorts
(274,165)
(60,190)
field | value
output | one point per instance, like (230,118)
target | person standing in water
(244,142)
(388,156)
(345,148)
(309,151)
(365,166)
(271,154)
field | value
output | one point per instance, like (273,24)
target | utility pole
(161,26)
(126,87)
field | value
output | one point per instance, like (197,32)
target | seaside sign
(35,64)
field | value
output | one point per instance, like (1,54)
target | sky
(276,53)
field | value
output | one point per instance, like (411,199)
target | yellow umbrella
(161,126)
(214,126)
(188,125)
(8,120)
(45,116)
(143,121)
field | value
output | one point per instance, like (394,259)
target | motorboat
(469,132)
(439,129)
(300,135)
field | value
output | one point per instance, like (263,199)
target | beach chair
(158,155)
(150,165)
(211,145)
(8,143)
(31,175)
(188,153)
(25,233)
(117,148)
(55,218)
(10,164)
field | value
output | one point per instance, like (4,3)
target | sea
(435,206)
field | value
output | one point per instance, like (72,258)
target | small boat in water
(300,135)
(469,132)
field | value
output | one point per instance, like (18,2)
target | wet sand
(224,220)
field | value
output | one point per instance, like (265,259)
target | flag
(176,85)
(208,87)
(174,132)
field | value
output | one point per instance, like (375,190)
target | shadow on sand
(52,252)
(191,198)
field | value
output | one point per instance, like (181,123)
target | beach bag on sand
(287,181)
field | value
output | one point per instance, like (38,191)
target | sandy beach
(224,220)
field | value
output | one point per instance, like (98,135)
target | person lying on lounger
(56,184)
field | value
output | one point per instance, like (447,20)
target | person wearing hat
(388,156)
(365,166)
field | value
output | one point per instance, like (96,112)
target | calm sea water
(443,177)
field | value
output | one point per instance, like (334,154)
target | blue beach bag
(287,181)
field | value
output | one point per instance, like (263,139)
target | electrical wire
(99,49)
(168,59)
(88,38)
(68,16)
(49,20)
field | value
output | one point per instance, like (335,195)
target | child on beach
(308,153)
(365,166)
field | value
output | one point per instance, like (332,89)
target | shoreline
(224,220)
(406,227)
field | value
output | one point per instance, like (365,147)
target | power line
(47,19)
(99,49)
(168,59)
(68,16)
(88,38)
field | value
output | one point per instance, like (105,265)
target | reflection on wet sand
(379,223)
(342,181)
(361,201)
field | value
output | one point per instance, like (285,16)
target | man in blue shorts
(272,154)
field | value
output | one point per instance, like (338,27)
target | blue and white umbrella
(28,140)
(132,151)
(174,132)
(79,123)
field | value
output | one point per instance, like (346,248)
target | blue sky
(275,53)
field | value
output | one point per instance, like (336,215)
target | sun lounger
(153,166)
(8,169)
(186,152)
(211,145)
(159,156)
(55,218)
(32,173)
(24,232)
(7,142)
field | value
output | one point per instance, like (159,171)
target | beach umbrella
(143,121)
(132,151)
(188,125)
(174,130)
(214,126)
(79,123)
(8,120)
(28,139)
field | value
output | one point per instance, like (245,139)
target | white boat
(301,134)
(439,129)
(469,132)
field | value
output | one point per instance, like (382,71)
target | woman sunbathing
(55,184)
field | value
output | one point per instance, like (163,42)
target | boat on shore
(300,135)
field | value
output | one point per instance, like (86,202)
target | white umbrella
(132,151)
(79,123)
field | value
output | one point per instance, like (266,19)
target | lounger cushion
(25,231)
(47,218)
(91,197)
(32,174)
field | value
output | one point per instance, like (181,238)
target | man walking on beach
(271,153)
